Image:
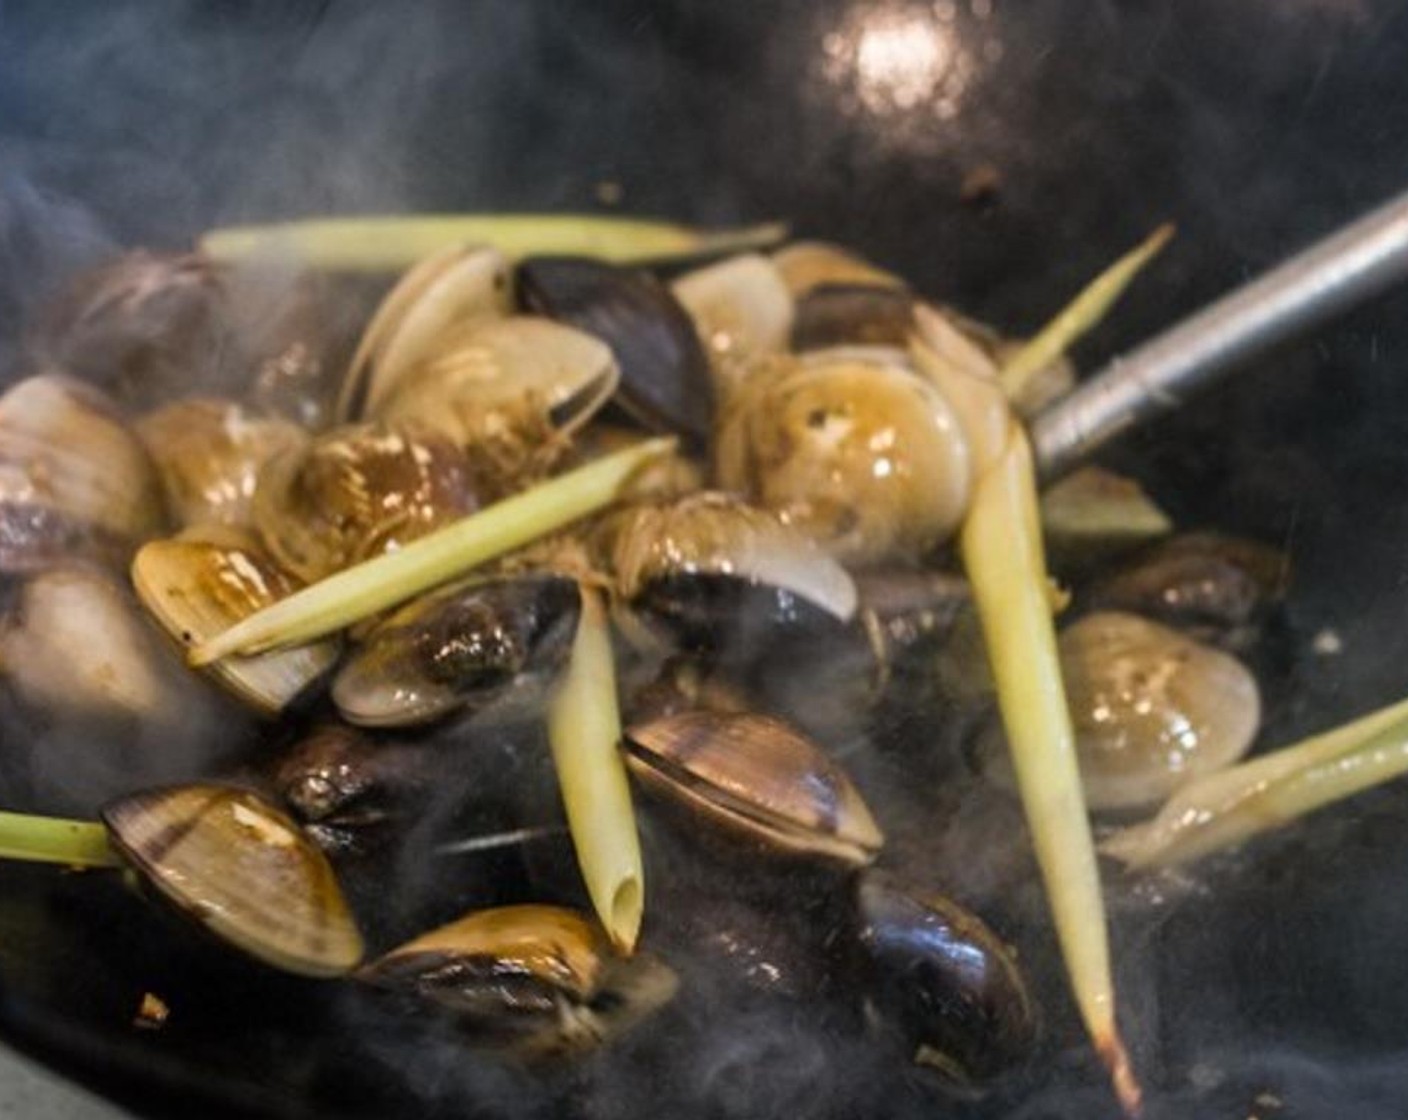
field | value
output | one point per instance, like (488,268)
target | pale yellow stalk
(55,840)
(393,243)
(1002,554)
(1082,313)
(584,730)
(1230,806)
(364,589)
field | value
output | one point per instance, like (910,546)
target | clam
(852,447)
(201,583)
(1094,514)
(942,983)
(714,567)
(346,788)
(459,648)
(209,453)
(853,315)
(760,780)
(1151,708)
(1214,588)
(741,309)
(536,979)
(228,859)
(419,316)
(665,380)
(806,265)
(506,391)
(73,478)
(74,643)
(356,492)
(143,327)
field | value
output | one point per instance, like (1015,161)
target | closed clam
(142,327)
(73,478)
(665,380)
(205,581)
(74,643)
(760,780)
(356,492)
(457,649)
(236,865)
(1214,588)
(209,453)
(712,566)
(852,447)
(940,982)
(350,791)
(806,265)
(535,979)
(853,315)
(1151,707)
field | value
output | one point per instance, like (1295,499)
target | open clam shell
(523,378)
(758,778)
(539,979)
(665,378)
(242,869)
(445,291)
(197,586)
(458,648)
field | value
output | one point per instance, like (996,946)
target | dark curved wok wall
(998,153)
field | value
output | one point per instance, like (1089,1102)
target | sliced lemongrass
(1002,554)
(1233,805)
(1081,314)
(1094,510)
(584,730)
(55,840)
(391,243)
(364,589)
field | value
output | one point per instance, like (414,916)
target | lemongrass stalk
(1081,314)
(1230,806)
(55,840)
(1002,554)
(364,589)
(392,243)
(584,730)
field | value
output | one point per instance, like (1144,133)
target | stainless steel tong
(1337,272)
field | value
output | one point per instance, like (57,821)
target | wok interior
(1253,128)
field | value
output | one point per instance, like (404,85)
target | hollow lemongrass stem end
(1112,1053)
(1002,555)
(584,733)
(36,839)
(1081,314)
(364,589)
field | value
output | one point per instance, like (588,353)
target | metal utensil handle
(1340,270)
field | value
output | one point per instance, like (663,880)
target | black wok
(996,153)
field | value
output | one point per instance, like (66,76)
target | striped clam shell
(241,868)
(757,777)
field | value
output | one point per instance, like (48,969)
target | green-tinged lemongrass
(584,730)
(38,839)
(1233,805)
(1002,555)
(1094,512)
(391,243)
(364,589)
(1081,314)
